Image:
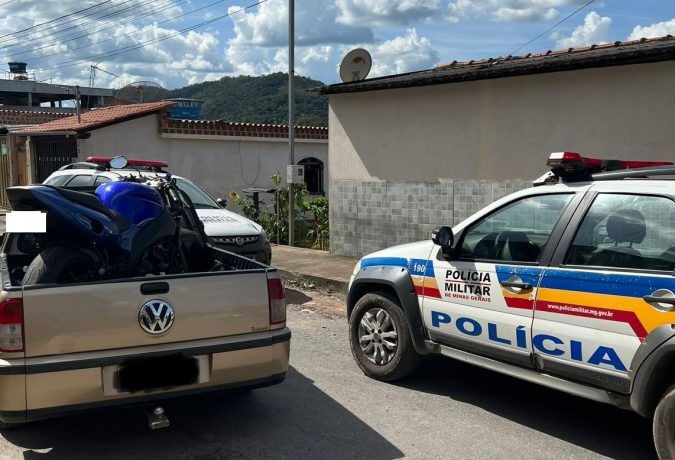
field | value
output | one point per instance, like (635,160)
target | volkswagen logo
(239,241)
(156,316)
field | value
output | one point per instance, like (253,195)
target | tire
(390,354)
(664,425)
(59,264)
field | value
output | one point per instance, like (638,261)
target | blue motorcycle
(142,225)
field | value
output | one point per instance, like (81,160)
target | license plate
(154,373)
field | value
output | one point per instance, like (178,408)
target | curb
(318,281)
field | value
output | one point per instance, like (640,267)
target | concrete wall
(219,164)
(402,161)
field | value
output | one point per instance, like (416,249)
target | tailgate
(101,316)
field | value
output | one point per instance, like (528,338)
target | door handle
(658,298)
(523,286)
(154,288)
(655,299)
(515,285)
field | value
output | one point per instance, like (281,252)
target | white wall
(505,128)
(219,164)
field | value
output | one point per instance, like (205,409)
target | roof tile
(99,117)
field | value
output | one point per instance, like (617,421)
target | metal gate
(4,171)
(51,154)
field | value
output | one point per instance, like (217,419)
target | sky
(176,43)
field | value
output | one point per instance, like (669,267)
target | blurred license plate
(169,371)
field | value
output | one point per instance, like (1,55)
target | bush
(311,216)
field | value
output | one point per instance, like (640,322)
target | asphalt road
(328,409)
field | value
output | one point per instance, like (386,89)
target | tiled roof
(610,54)
(100,117)
(568,51)
(28,117)
(225,128)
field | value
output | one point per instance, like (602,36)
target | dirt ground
(307,296)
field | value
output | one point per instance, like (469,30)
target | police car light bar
(146,163)
(571,166)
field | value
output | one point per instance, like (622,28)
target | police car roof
(116,172)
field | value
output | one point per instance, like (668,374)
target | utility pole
(291,119)
(77,103)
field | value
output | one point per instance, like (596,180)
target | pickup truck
(67,347)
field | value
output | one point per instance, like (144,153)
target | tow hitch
(157,418)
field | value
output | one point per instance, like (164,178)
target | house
(218,155)
(410,152)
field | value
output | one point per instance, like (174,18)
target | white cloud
(508,10)
(402,54)
(461,9)
(260,42)
(315,23)
(594,30)
(655,30)
(378,12)
(524,14)
(184,57)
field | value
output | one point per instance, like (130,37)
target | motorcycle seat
(92,202)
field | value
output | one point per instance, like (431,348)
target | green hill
(261,99)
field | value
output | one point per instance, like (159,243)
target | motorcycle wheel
(60,265)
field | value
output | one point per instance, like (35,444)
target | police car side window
(58,180)
(517,232)
(79,181)
(101,180)
(626,231)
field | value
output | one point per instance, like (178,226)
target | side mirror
(222,202)
(443,237)
(118,162)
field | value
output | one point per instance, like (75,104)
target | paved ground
(319,267)
(328,409)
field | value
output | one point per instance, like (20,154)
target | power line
(56,19)
(113,38)
(6,3)
(60,26)
(551,28)
(125,49)
(164,6)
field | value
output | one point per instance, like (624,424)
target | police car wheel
(380,338)
(664,425)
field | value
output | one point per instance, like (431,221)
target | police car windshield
(199,197)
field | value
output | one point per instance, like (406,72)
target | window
(101,180)
(200,199)
(313,174)
(58,180)
(517,232)
(626,231)
(79,181)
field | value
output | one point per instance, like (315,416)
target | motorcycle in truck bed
(123,301)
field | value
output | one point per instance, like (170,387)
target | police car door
(609,286)
(485,290)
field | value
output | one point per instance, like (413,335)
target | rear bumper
(53,412)
(63,384)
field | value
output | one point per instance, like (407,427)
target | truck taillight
(277,297)
(11,325)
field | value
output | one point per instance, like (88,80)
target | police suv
(568,284)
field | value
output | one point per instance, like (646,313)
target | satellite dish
(142,91)
(355,65)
